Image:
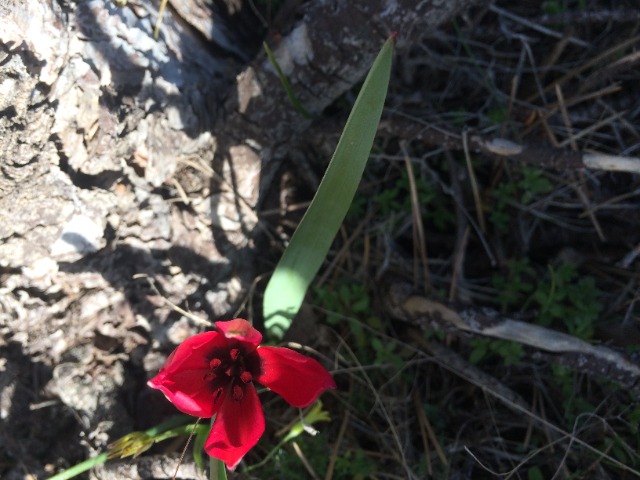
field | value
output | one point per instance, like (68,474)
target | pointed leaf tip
(312,239)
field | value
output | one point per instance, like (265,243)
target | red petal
(238,426)
(296,378)
(189,393)
(196,352)
(182,379)
(242,331)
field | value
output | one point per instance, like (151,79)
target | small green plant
(354,465)
(345,299)
(497,115)
(348,300)
(395,198)
(523,189)
(386,353)
(510,352)
(633,419)
(285,463)
(553,7)
(398,197)
(532,184)
(562,298)
(515,284)
(565,297)
(534,473)
(558,7)
(573,402)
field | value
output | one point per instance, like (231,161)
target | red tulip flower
(212,373)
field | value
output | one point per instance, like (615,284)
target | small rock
(81,235)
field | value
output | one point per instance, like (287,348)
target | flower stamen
(217,395)
(238,393)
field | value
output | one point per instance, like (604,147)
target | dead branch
(540,156)
(403,303)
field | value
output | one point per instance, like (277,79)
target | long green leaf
(285,83)
(312,239)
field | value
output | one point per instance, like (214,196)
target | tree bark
(133,171)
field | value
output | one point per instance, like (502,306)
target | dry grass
(470,227)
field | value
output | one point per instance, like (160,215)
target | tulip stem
(155,434)
(217,470)
(88,464)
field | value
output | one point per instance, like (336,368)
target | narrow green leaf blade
(285,83)
(312,239)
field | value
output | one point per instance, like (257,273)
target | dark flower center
(232,369)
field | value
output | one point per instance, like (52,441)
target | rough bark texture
(148,468)
(132,175)
(325,54)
